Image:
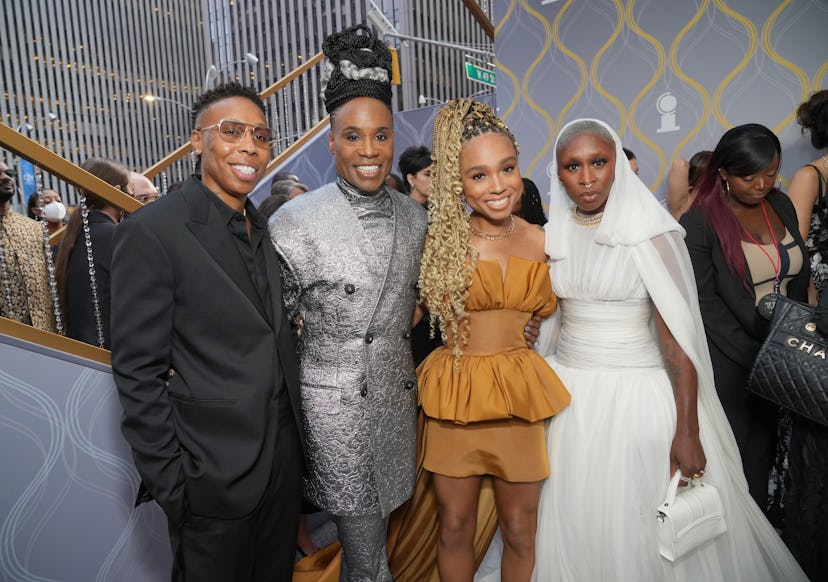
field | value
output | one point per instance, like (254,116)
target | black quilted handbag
(791,368)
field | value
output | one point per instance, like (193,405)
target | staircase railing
(48,161)
(296,140)
(51,162)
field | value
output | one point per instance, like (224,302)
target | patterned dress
(805,506)
(817,242)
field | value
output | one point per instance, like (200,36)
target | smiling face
(586,167)
(490,176)
(361,140)
(231,170)
(750,190)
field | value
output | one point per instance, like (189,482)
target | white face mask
(54,211)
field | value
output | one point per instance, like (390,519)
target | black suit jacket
(728,309)
(80,309)
(182,299)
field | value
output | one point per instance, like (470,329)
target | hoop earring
(727,188)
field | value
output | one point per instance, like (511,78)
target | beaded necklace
(47,250)
(587,219)
(90,259)
(50,269)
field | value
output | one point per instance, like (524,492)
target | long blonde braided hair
(448,258)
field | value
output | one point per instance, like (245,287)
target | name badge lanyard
(769,301)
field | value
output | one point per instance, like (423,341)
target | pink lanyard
(776,266)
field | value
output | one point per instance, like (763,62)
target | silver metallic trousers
(364,555)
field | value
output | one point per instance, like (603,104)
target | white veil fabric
(634,218)
(632,214)
(751,550)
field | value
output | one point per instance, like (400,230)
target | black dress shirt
(249,247)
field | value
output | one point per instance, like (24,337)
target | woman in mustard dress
(485,395)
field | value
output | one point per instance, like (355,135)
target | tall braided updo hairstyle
(448,257)
(358,65)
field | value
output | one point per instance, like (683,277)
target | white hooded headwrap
(632,214)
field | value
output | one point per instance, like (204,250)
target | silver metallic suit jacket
(357,377)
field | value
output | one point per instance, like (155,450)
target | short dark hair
(278,187)
(629,153)
(225,91)
(412,160)
(282,175)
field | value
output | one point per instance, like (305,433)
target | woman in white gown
(611,451)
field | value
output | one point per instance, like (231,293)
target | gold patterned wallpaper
(670,75)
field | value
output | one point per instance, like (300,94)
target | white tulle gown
(609,450)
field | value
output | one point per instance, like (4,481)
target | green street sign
(485,76)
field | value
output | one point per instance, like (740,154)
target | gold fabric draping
(412,535)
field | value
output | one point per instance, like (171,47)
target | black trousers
(806,503)
(258,547)
(753,420)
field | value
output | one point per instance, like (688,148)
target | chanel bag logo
(791,368)
(805,346)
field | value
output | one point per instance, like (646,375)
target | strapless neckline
(505,273)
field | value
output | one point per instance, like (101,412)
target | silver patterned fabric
(376,216)
(364,557)
(357,376)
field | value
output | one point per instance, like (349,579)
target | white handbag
(687,520)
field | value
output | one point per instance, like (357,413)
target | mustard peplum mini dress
(486,417)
